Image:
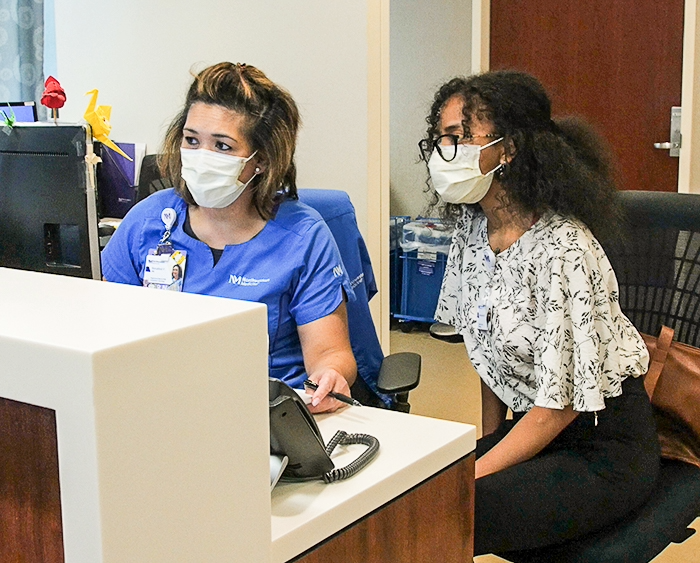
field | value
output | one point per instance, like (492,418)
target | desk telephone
(295,435)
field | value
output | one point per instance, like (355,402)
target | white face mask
(461,180)
(212,178)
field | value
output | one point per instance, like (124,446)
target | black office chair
(658,270)
(150,179)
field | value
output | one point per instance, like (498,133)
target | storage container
(425,244)
(422,279)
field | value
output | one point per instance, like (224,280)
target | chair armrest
(399,373)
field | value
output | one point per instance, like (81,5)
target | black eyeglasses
(446,145)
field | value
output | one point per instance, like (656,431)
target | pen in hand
(337,396)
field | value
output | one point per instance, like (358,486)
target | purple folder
(117,180)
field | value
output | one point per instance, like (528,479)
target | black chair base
(664,518)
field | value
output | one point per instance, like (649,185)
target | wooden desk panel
(434,521)
(30,503)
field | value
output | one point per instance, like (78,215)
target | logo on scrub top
(357,281)
(246,282)
(337,271)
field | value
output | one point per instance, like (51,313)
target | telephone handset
(294,433)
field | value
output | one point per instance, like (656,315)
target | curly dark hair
(271,124)
(558,165)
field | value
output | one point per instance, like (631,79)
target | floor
(449,389)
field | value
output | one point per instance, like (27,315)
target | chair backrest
(150,179)
(337,211)
(657,262)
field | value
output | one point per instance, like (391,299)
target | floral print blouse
(541,321)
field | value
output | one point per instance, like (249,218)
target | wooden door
(616,62)
(31,529)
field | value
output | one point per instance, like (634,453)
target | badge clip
(168,216)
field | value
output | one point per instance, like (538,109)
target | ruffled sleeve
(587,346)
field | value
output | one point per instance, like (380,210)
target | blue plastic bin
(422,279)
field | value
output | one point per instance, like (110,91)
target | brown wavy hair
(561,164)
(271,122)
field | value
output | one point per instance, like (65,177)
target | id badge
(482,317)
(165,270)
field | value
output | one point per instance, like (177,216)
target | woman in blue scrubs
(233,225)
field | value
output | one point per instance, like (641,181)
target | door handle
(674,145)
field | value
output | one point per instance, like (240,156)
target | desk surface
(413,448)
(89,316)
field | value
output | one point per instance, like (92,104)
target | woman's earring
(257,170)
(501,169)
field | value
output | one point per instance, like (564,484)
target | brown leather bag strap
(656,364)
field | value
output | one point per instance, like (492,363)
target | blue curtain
(21,50)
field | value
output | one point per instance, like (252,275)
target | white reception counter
(147,415)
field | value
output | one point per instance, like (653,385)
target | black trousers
(589,477)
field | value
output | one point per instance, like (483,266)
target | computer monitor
(25,112)
(48,208)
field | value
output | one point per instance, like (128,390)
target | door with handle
(617,64)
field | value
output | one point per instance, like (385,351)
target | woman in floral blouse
(533,294)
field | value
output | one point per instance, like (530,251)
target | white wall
(138,54)
(689,164)
(430,43)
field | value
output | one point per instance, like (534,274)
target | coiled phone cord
(345,439)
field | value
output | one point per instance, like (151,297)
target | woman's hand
(526,439)
(329,380)
(328,358)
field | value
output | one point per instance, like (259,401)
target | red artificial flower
(53,97)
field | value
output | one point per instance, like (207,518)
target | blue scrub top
(292,266)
